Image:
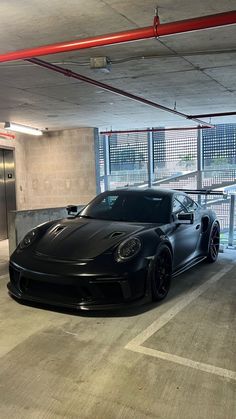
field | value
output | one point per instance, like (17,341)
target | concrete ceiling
(196,72)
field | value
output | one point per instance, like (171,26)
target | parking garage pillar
(231,221)
(106,157)
(199,153)
(97,160)
(199,162)
(150,159)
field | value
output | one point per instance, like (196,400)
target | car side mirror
(185,218)
(71,209)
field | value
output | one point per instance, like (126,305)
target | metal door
(7,189)
(3,209)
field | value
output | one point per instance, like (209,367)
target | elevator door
(7,189)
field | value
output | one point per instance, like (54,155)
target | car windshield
(143,208)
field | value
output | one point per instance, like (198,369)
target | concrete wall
(56,169)
(61,168)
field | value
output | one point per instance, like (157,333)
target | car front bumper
(83,292)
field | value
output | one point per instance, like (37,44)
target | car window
(187,202)
(177,207)
(147,208)
(107,203)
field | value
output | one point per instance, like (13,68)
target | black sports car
(123,247)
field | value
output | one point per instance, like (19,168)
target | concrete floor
(171,360)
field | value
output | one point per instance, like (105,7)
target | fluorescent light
(22,128)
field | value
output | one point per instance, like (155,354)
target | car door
(185,236)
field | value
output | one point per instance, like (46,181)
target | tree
(187,162)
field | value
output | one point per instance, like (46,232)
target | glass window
(177,207)
(132,207)
(187,202)
(106,204)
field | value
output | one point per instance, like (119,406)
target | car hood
(81,238)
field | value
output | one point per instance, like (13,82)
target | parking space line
(136,343)
(173,311)
(184,361)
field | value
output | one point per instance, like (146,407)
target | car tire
(161,273)
(214,243)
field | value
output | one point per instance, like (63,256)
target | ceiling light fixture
(22,128)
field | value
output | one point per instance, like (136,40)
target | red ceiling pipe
(107,87)
(196,24)
(157,30)
(214,115)
(154,130)
(6,135)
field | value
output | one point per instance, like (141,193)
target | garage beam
(129,131)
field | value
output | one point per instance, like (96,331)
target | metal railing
(200,179)
(224,206)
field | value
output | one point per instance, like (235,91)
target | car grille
(72,293)
(14,276)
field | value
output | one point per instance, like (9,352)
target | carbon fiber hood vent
(116,234)
(82,239)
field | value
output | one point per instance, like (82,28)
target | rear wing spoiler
(203,192)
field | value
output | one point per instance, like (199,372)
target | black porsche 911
(124,247)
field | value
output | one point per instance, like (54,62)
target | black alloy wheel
(161,273)
(214,243)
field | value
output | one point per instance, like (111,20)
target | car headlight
(128,249)
(28,239)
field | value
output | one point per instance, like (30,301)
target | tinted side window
(177,207)
(130,207)
(187,202)
(106,204)
(192,206)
